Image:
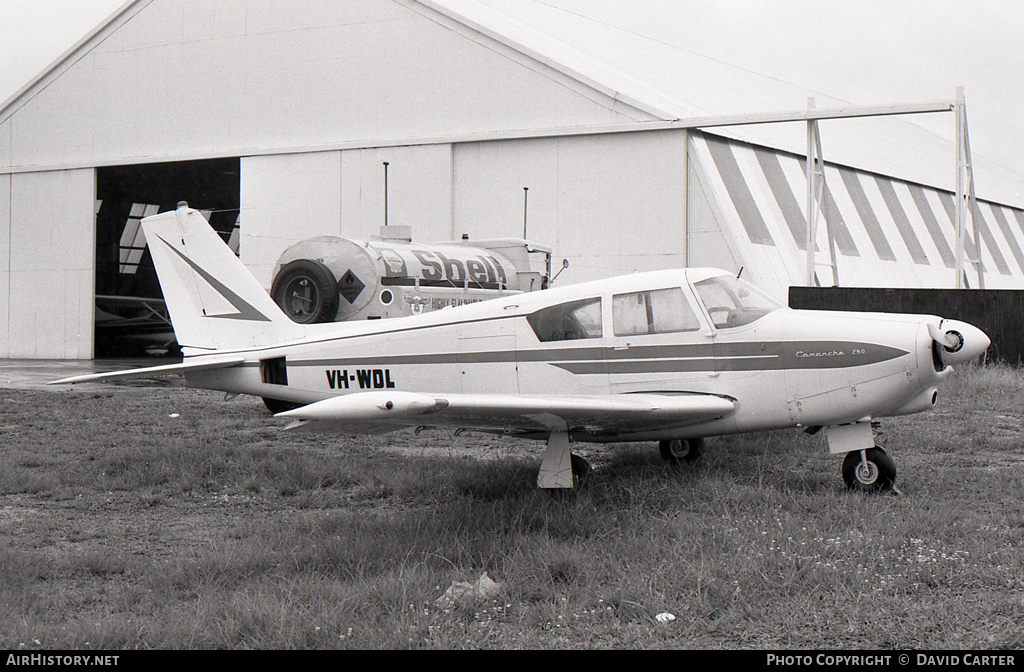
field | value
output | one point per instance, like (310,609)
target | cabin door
(487,358)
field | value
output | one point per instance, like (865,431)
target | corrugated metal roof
(672,83)
(676,83)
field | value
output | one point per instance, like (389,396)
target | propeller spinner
(959,341)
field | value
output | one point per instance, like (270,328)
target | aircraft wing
(378,412)
(199,364)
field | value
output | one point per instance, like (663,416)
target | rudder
(213,300)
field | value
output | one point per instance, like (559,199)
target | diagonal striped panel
(739,192)
(990,241)
(900,217)
(950,207)
(844,241)
(1019,216)
(794,216)
(889,232)
(932,224)
(835,220)
(867,215)
(1004,227)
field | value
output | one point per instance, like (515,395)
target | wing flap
(200,364)
(375,412)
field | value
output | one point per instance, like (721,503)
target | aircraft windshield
(732,302)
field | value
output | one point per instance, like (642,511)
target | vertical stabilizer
(213,300)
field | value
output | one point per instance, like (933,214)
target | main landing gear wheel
(276,406)
(680,450)
(580,467)
(871,470)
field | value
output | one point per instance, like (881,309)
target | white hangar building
(278,119)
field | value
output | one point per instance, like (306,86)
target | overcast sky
(866,52)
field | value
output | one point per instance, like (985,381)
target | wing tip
(70,381)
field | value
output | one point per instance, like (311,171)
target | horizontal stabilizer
(200,364)
(373,412)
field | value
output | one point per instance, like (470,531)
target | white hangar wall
(283,199)
(609,204)
(303,96)
(5,266)
(619,203)
(419,191)
(314,99)
(47,264)
(289,197)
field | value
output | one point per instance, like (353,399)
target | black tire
(580,467)
(306,291)
(879,476)
(681,450)
(279,406)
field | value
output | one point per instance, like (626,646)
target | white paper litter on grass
(466,594)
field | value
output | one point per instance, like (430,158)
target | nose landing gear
(870,470)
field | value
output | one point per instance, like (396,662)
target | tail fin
(214,302)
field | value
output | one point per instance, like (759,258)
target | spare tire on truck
(306,291)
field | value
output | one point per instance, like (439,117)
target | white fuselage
(787,368)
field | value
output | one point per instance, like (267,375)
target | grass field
(172,518)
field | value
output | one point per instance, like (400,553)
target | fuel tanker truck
(333,279)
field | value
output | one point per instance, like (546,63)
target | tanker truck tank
(329,278)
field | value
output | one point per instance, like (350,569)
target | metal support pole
(966,203)
(809,239)
(816,201)
(819,197)
(386,193)
(958,107)
(972,202)
(526,191)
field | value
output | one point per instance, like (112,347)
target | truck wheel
(306,291)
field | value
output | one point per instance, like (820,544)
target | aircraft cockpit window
(659,311)
(733,303)
(568,321)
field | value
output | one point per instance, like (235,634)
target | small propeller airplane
(668,356)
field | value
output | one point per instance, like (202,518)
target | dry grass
(123,527)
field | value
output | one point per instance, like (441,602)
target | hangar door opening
(130,317)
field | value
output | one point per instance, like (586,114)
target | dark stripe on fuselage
(743,356)
(788,356)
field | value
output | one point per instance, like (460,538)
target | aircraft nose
(960,341)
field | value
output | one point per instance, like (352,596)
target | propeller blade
(951,341)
